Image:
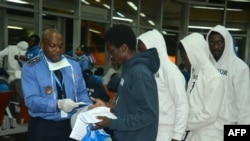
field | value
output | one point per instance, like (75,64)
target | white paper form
(89,117)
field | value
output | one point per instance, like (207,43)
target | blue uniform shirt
(39,87)
(85,62)
(32,52)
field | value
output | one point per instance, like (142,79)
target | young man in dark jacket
(136,106)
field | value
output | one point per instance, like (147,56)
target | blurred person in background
(13,67)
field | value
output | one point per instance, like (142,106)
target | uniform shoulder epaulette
(33,61)
(71,57)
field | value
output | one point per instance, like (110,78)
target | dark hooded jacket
(137,106)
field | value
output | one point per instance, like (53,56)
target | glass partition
(150,13)
(19,27)
(21,3)
(125,12)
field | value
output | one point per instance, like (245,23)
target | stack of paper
(89,117)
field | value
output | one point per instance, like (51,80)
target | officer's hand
(102,124)
(67,105)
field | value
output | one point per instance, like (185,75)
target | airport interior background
(85,21)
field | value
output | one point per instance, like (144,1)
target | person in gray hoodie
(136,107)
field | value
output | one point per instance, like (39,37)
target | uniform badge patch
(48,90)
(33,61)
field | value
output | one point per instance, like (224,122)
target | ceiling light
(84,1)
(98,0)
(142,14)
(216,8)
(18,1)
(151,22)
(206,27)
(234,29)
(131,4)
(95,31)
(120,14)
(199,27)
(123,19)
(107,6)
(164,32)
(240,0)
(15,27)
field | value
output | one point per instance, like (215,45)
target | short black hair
(84,48)
(99,71)
(36,37)
(49,31)
(121,34)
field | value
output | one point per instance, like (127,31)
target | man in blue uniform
(52,85)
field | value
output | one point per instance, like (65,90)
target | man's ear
(124,47)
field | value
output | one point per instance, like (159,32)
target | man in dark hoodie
(136,106)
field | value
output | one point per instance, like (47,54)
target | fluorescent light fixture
(84,1)
(234,29)
(240,0)
(151,22)
(98,0)
(199,27)
(95,31)
(216,8)
(142,14)
(131,4)
(123,19)
(206,27)
(120,14)
(107,6)
(15,27)
(18,1)
(164,32)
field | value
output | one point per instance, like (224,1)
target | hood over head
(22,45)
(229,45)
(154,39)
(196,48)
